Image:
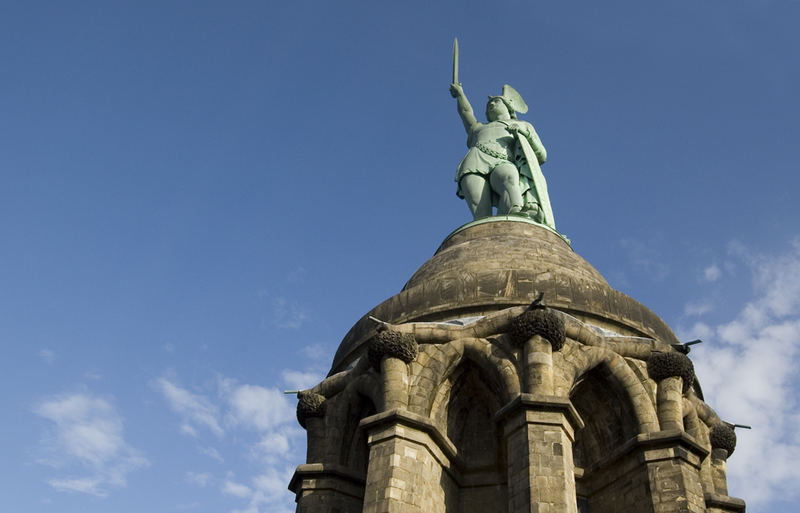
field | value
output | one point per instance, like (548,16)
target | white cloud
(187,429)
(695,308)
(236,489)
(258,408)
(748,373)
(88,485)
(198,478)
(274,447)
(296,275)
(699,330)
(712,273)
(47,356)
(288,314)
(195,410)
(259,419)
(87,437)
(267,493)
(645,259)
(211,453)
(316,352)
(300,380)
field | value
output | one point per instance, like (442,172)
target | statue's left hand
(514,129)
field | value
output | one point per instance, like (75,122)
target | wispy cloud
(195,410)
(748,372)
(86,437)
(645,259)
(265,492)
(273,447)
(316,352)
(288,313)
(236,489)
(296,275)
(47,356)
(198,478)
(695,308)
(260,419)
(211,453)
(256,407)
(712,273)
(301,380)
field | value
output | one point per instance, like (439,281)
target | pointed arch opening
(471,407)
(610,420)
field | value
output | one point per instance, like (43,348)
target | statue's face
(496,109)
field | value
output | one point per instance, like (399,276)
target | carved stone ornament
(723,437)
(663,365)
(309,405)
(539,321)
(392,343)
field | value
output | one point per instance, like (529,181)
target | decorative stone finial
(539,321)
(662,365)
(392,343)
(723,437)
(309,405)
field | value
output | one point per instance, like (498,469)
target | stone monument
(508,376)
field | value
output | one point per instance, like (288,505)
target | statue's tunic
(489,146)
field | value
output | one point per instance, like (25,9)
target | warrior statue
(501,168)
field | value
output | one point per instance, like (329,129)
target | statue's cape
(534,173)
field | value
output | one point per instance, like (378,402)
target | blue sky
(200,198)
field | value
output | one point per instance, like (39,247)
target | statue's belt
(494,153)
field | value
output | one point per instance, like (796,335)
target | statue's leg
(505,182)
(478,193)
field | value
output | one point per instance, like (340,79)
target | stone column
(538,431)
(394,372)
(719,470)
(673,471)
(723,443)
(670,403)
(390,352)
(539,331)
(410,465)
(311,415)
(674,375)
(322,487)
(538,354)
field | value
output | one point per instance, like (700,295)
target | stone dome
(499,262)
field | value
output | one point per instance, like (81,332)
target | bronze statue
(501,168)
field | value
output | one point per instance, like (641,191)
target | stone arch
(358,400)
(430,372)
(615,407)
(608,416)
(576,361)
(469,422)
(466,402)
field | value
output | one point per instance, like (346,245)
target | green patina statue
(501,168)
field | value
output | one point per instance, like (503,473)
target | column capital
(724,503)
(541,404)
(393,423)
(325,476)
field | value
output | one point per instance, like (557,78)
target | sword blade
(455,60)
